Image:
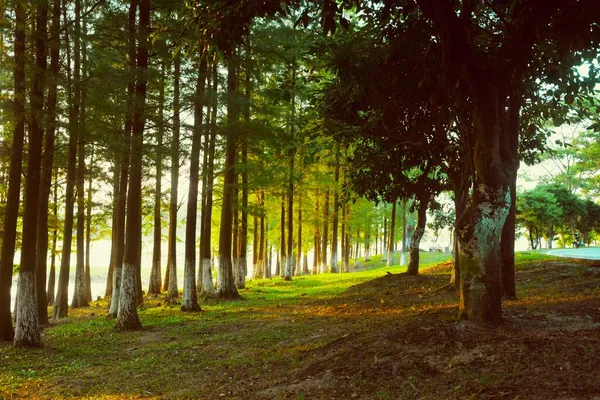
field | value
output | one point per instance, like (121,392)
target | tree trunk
(27,329)
(115,207)
(261,261)
(52,275)
(61,303)
(384,243)
(333,266)
(127,317)
(226,285)
(289,261)
(325,231)
(281,259)
(172,288)
(345,266)
(205,237)
(299,270)
(156,273)
(392,236)
(243,238)
(79,292)
(415,240)
(507,247)
(88,233)
(190,296)
(47,161)
(317,244)
(124,169)
(14,186)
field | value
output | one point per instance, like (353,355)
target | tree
(27,330)
(127,317)
(14,185)
(226,285)
(190,297)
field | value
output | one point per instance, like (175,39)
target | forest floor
(374,334)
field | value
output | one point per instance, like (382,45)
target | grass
(372,333)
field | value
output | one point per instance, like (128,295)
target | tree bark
(172,288)
(289,261)
(115,207)
(190,296)
(299,270)
(14,185)
(156,273)
(325,231)
(333,266)
(124,168)
(47,160)
(205,238)
(88,232)
(282,248)
(52,275)
(392,236)
(61,303)
(226,286)
(127,317)
(415,240)
(27,329)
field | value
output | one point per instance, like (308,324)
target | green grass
(272,326)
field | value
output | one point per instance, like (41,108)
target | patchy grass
(373,334)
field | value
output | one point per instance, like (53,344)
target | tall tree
(127,317)
(226,286)
(124,164)
(190,296)
(207,195)
(27,329)
(61,303)
(155,274)
(171,279)
(14,184)
(46,178)
(79,292)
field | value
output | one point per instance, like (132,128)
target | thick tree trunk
(190,295)
(156,273)
(226,285)
(127,317)
(14,185)
(415,241)
(260,272)
(27,329)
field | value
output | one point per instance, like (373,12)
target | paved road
(587,253)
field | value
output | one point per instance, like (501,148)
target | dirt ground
(410,344)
